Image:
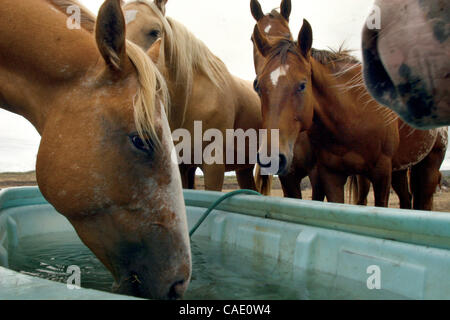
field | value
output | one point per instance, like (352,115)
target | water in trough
(220,271)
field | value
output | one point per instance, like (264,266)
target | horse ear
(161,4)
(261,42)
(110,34)
(305,39)
(286,8)
(155,50)
(256,9)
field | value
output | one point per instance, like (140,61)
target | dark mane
(326,57)
(281,46)
(275,14)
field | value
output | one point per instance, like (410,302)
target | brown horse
(303,89)
(414,186)
(104,160)
(407,59)
(276,24)
(201,89)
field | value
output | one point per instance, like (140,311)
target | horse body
(274,25)
(201,88)
(416,184)
(371,141)
(301,90)
(84,95)
(407,62)
(414,145)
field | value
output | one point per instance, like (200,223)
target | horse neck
(36,63)
(181,74)
(335,103)
(248,105)
(179,99)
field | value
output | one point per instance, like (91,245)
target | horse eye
(154,33)
(301,87)
(139,144)
(256,86)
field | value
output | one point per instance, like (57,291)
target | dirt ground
(441,198)
(8,180)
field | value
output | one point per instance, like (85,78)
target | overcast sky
(226,27)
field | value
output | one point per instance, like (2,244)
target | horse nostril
(176,291)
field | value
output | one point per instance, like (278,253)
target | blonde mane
(188,55)
(152,86)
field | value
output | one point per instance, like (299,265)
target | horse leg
(214,177)
(185,178)
(291,186)
(318,192)
(381,180)
(191,178)
(363,185)
(401,187)
(333,184)
(425,177)
(246,179)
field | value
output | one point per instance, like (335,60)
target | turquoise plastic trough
(410,248)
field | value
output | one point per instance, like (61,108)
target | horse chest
(350,153)
(341,160)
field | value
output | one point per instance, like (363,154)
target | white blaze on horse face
(277,73)
(130,16)
(267,29)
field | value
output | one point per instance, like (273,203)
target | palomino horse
(201,89)
(276,24)
(104,160)
(407,59)
(303,89)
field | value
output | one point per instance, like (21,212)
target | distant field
(15,179)
(441,199)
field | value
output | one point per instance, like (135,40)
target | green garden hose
(219,201)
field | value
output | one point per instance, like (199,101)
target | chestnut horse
(104,160)
(276,24)
(416,185)
(407,59)
(201,88)
(303,90)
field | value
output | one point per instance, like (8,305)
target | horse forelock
(280,48)
(276,14)
(152,91)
